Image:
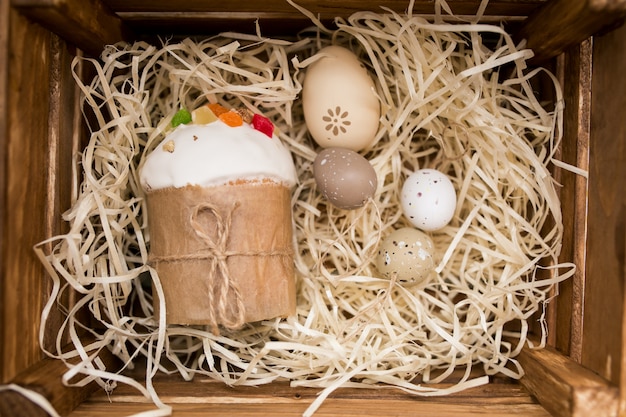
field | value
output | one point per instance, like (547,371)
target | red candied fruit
(263,124)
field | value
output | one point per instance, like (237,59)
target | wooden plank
(331,408)
(64,141)
(622,383)
(42,137)
(4,130)
(326,8)
(87,24)
(173,389)
(26,156)
(45,378)
(559,24)
(279,18)
(207,397)
(605,266)
(565,388)
(574,69)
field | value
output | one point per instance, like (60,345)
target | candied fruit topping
(246,114)
(231,118)
(182,117)
(263,124)
(217,109)
(211,112)
(169,146)
(203,116)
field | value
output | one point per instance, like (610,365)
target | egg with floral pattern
(340,105)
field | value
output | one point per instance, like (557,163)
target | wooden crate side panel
(92,24)
(45,378)
(326,8)
(4,128)
(65,134)
(279,17)
(604,287)
(574,71)
(559,24)
(36,142)
(25,196)
(41,102)
(565,388)
(88,24)
(206,397)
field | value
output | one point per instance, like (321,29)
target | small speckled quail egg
(339,100)
(408,253)
(428,199)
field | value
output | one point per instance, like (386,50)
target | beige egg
(407,252)
(339,101)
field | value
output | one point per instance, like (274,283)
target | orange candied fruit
(231,118)
(217,109)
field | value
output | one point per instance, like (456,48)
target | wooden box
(582,373)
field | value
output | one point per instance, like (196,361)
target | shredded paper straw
(457,98)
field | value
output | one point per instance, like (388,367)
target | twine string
(220,283)
(223,292)
(223,295)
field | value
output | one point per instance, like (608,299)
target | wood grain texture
(34,167)
(42,137)
(64,141)
(4,131)
(45,378)
(205,397)
(622,398)
(278,17)
(332,408)
(574,71)
(26,157)
(565,388)
(604,287)
(326,8)
(87,24)
(559,24)
(93,24)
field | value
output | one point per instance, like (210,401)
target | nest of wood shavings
(449,102)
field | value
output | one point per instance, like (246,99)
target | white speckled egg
(339,101)
(408,253)
(428,199)
(344,177)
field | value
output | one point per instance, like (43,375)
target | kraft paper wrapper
(258,252)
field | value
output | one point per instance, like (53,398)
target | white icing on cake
(216,154)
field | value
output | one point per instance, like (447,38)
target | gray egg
(344,177)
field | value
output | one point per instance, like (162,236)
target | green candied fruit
(182,117)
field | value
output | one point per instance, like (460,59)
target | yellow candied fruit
(231,118)
(203,116)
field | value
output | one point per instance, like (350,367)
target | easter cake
(219,213)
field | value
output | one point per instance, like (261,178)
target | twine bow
(226,303)
(220,283)
(223,293)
